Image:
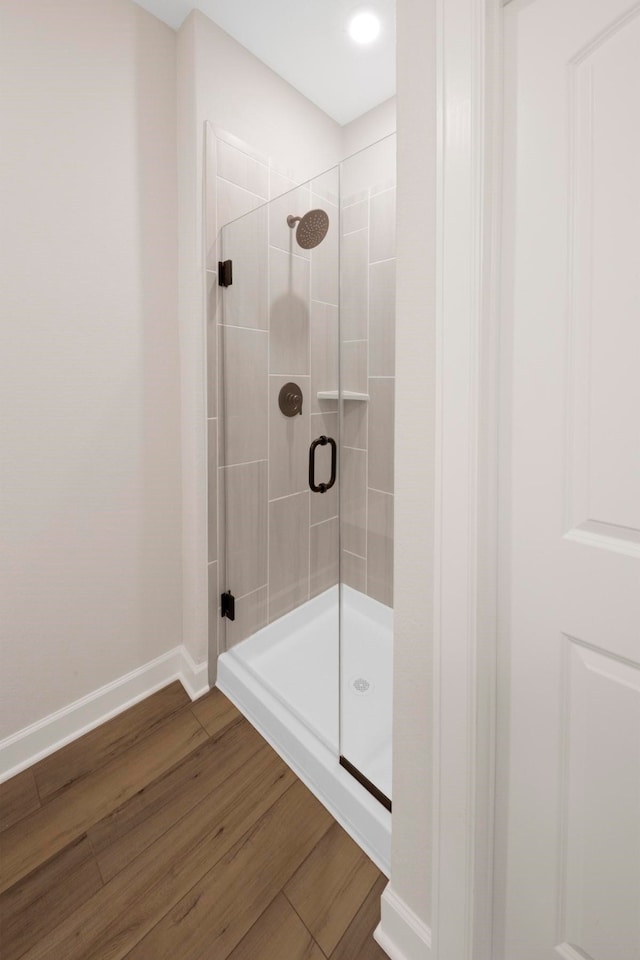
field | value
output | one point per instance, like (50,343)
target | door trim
(469,77)
(455,916)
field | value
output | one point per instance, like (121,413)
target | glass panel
(306,348)
(279,354)
(367,323)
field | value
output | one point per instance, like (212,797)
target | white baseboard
(401,933)
(193,676)
(31,744)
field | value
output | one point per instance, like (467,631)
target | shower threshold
(284,679)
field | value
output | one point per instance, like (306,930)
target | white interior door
(568,811)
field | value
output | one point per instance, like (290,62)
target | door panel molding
(597,910)
(567,845)
(602,387)
(569,952)
(606,536)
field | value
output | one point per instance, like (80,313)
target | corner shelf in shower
(346,395)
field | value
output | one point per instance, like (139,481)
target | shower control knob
(290,400)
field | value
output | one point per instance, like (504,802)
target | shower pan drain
(360,685)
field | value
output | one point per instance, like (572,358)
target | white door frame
(468,73)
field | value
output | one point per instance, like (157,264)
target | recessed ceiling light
(364,27)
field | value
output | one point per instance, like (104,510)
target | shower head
(312,228)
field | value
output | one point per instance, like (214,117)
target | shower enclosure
(305,478)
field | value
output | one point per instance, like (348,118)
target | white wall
(221,82)
(89,407)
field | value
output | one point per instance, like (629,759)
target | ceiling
(306,42)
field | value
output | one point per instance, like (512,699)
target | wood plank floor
(175,832)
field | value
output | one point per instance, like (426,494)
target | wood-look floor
(175,831)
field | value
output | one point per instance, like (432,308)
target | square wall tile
(324,505)
(252,614)
(325,345)
(353,571)
(382,319)
(325,264)
(382,225)
(289,314)
(243,519)
(234,202)
(244,242)
(288,554)
(380,547)
(348,192)
(244,395)
(353,477)
(354,285)
(354,366)
(288,442)
(369,168)
(279,184)
(354,423)
(243,170)
(381,433)
(327,186)
(383,185)
(355,217)
(324,556)
(212,488)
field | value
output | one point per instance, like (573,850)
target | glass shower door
(367,323)
(278,450)
(305,456)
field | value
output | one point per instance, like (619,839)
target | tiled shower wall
(281,324)
(368,367)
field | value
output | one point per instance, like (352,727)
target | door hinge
(228,605)
(225,273)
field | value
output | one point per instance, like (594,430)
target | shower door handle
(322,442)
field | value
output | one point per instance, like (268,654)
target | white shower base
(285,679)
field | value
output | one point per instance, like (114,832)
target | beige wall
(222,83)
(89,406)
(239,93)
